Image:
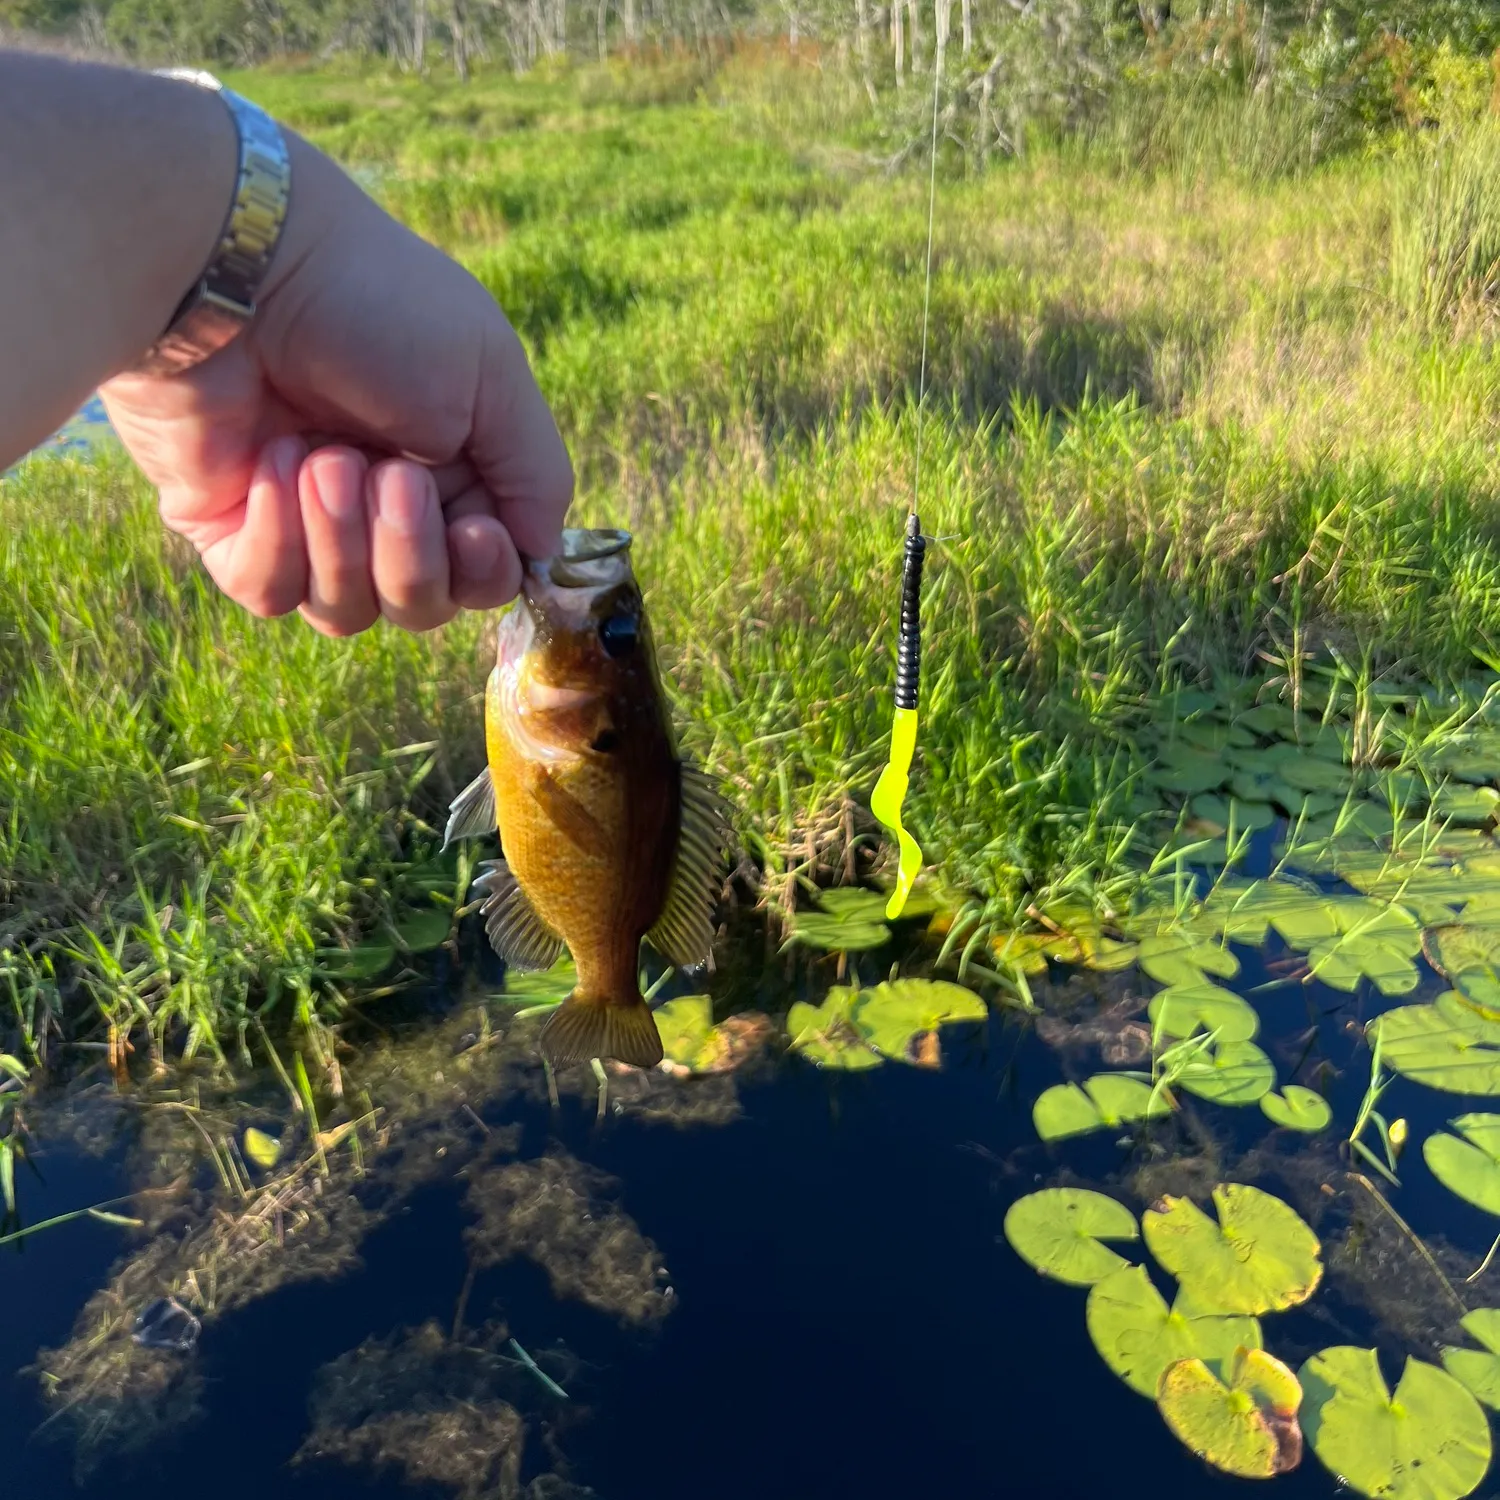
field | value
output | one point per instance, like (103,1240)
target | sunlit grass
(1180,431)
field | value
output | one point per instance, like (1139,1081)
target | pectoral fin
(515,931)
(684,933)
(472,812)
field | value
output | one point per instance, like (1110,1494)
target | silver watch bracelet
(223,301)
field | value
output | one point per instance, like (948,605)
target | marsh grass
(1177,435)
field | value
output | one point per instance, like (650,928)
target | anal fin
(684,932)
(472,812)
(515,931)
(579,1030)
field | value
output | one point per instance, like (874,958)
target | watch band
(223,301)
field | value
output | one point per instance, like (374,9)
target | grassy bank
(1184,430)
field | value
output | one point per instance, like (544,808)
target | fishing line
(890,790)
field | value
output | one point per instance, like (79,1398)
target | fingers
(516,447)
(340,590)
(261,563)
(408,545)
(484,569)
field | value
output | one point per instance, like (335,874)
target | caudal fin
(582,1029)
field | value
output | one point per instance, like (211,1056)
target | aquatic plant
(1297,1108)
(1260,1256)
(859,1028)
(1478,1371)
(1468,1162)
(1061,1232)
(1428,1440)
(1244,1423)
(1104,1102)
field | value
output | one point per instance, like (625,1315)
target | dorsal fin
(472,811)
(515,931)
(684,933)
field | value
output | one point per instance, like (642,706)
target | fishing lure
(890,790)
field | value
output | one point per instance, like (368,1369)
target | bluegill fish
(608,835)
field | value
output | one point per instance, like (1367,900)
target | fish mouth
(587,558)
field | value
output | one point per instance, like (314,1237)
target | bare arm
(373,444)
(115,187)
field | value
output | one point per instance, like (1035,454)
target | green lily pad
(1470,757)
(1478,1371)
(1246,1425)
(1443,1045)
(685,1026)
(891,1015)
(1431,891)
(1059,1232)
(1029,951)
(423,930)
(847,921)
(1315,773)
(1376,945)
(1270,718)
(1244,912)
(826,1034)
(1260,1257)
(1213,734)
(1429,1442)
(1469,1167)
(1138,1337)
(1470,949)
(1297,1108)
(1226,812)
(1182,956)
(1181,1010)
(1230,1073)
(541,987)
(1471,805)
(262,1149)
(364,961)
(1106,1101)
(1186,770)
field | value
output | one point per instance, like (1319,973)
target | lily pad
(1468,953)
(1260,1257)
(1443,1045)
(1471,805)
(1138,1336)
(892,1015)
(541,987)
(1375,945)
(1478,1371)
(1106,1101)
(826,1034)
(1180,1010)
(847,921)
(422,930)
(1469,1167)
(1181,956)
(1230,1073)
(1297,1108)
(1029,951)
(1430,1441)
(364,961)
(686,1026)
(1226,812)
(1315,773)
(262,1149)
(1059,1232)
(1187,770)
(1471,757)
(1245,1425)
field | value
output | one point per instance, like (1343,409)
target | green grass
(1186,426)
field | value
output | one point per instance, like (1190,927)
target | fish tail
(581,1029)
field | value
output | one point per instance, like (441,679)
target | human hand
(372,444)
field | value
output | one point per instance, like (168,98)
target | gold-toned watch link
(217,309)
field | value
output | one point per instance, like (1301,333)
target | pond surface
(783,1279)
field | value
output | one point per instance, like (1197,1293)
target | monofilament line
(937,79)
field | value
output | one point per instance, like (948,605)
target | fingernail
(336,478)
(286,458)
(479,552)
(402,500)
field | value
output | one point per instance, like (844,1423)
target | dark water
(846,1315)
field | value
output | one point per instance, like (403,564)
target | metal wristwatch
(223,301)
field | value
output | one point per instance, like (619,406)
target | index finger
(515,446)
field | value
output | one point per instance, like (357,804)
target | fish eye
(617,634)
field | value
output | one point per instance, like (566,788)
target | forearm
(114,186)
